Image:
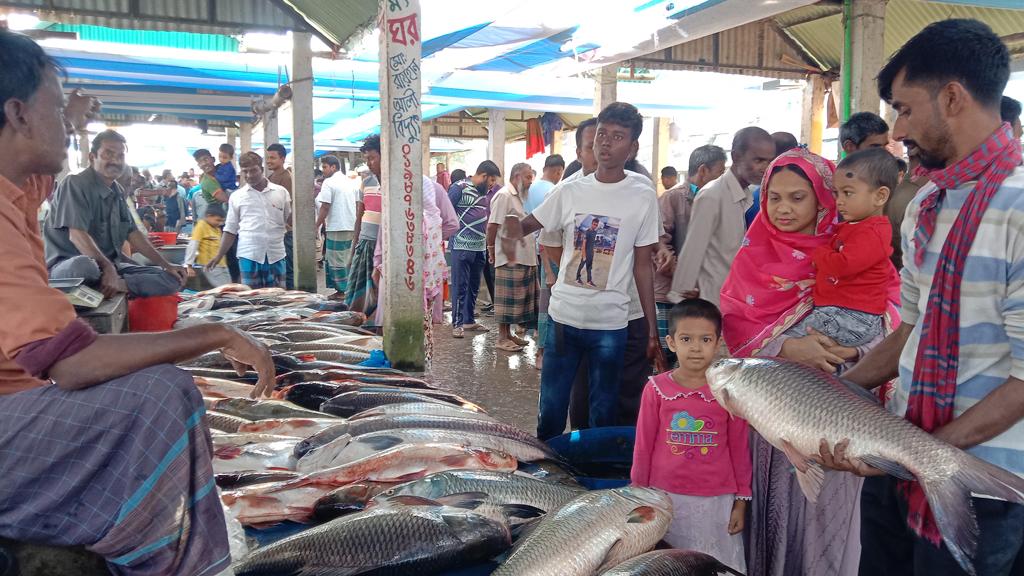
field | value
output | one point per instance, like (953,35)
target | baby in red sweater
(689,446)
(853,270)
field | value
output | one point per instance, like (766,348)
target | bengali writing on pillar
(410,218)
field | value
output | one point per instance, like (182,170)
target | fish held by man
(794,407)
(672,563)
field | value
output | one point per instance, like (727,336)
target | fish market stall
(355,468)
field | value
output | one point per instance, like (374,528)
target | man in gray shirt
(89,222)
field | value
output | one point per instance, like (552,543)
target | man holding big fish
(959,353)
(105,444)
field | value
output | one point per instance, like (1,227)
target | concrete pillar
(83,149)
(606,84)
(812,125)
(496,139)
(303,217)
(660,152)
(556,142)
(269,129)
(232,136)
(402,185)
(427,168)
(245,133)
(867,31)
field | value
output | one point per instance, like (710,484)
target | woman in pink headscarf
(767,293)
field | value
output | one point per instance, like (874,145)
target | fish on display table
(794,406)
(259,456)
(263,409)
(349,498)
(219,388)
(224,422)
(672,563)
(296,427)
(236,480)
(225,439)
(594,531)
(295,499)
(351,403)
(413,408)
(397,539)
(349,449)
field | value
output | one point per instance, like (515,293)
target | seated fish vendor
(105,442)
(89,222)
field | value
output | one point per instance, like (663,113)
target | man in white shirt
(590,321)
(717,221)
(337,200)
(258,214)
(515,272)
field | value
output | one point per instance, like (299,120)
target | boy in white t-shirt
(610,225)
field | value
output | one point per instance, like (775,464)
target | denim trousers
(890,548)
(467,266)
(564,349)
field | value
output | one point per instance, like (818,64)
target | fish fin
(410,500)
(798,460)
(889,467)
(612,555)
(522,511)
(641,514)
(466,500)
(860,391)
(379,442)
(809,473)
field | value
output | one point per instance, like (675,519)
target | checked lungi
(122,468)
(516,291)
(362,294)
(263,275)
(339,252)
(663,308)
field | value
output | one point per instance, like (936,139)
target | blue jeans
(890,548)
(564,349)
(466,269)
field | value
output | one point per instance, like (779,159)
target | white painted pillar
(231,134)
(812,125)
(867,27)
(270,134)
(303,217)
(660,153)
(495,139)
(245,132)
(402,184)
(427,168)
(606,87)
(83,149)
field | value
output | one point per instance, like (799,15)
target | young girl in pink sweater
(690,447)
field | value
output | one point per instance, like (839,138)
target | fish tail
(950,502)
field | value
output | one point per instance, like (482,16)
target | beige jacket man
(714,237)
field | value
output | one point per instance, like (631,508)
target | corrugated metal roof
(903,19)
(184,40)
(343,22)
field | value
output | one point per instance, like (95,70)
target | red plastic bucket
(154,314)
(169,238)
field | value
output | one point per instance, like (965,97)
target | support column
(606,84)
(812,125)
(302,164)
(556,142)
(83,149)
(660,153)
(426,149)
(402,184)
(865,30)
(232,136)
(245,133)
(495,139)
(269,129)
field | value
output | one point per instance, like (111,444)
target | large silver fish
(594,531)
(261,409)
(672,563)
(794,406)
(395,539)
(348,449)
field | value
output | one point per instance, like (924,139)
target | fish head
(644,497)
(430,487)
(473,526)
(493,459)
(723,379)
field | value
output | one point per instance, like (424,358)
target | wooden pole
(245,133)
(269,129)
(495,139)
(606,87)
(402,184)
(812,126)
(867,54)
(303,217)
(661,151)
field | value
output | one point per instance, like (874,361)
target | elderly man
(89,223)
(105,443)
(717,220)
(515,273)
(862,131)
(258,214)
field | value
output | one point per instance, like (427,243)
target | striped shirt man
(991,306)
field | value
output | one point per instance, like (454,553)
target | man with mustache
(89,222)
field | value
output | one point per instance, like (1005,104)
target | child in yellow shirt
(205,244)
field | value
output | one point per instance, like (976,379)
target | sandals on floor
(508,346)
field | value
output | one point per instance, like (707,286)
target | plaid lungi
(263,274)
(339,252)
(122,468)
(663,309)
(515,298)
(362,294)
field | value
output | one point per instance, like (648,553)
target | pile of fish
(375,471)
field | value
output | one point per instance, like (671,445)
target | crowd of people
(902,276)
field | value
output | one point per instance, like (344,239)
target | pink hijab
(769,286)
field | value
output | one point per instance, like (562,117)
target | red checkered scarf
(933,388)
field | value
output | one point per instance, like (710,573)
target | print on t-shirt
(690,436)
(593,249)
